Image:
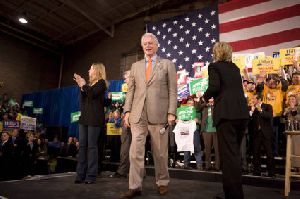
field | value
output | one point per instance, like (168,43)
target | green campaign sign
(118,96)
(28,103)
(38,110)
(186,113)
(198,85)
(75,116)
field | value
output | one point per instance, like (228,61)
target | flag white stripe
(273,48)
(256,10)
(261,30)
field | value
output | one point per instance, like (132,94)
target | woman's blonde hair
(222,51)
(100,73)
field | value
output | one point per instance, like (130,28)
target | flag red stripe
(257,20)
(237,4)
(267,40)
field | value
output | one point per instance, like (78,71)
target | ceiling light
(23,20)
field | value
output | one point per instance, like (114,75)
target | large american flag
(188,38)
(250,26)
(260,25)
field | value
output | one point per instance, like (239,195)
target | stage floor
(61,186)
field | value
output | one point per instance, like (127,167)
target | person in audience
(71,148)
(16,141)
(116,119)
(77,145)
(249,92)
(42,147)
(91,122)
(5,118)
(6,152)
(30,155)
(209,133)
(126,136)
(54,147)
(273,93)
(245,84)
(248,137)
(197,143)
(20,149)
(110,116)
(15,136)
(294,88)
(261,116)
(292,112)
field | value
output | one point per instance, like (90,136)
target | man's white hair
(148,34)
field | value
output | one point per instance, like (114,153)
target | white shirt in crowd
(184,135)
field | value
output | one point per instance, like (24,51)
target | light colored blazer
(159,94)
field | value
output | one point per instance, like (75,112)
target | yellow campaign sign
(124,87)
(239,60)
(205,73)
(267,65)
(288,55)
(112,130)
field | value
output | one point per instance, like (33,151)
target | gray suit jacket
(159,94)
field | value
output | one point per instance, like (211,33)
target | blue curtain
(58,104)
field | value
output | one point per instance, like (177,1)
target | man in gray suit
(151,102)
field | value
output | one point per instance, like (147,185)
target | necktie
(149,69)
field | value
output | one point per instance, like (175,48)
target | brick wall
(102,48)
(25,68)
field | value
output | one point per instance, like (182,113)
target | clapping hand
(252,108)
(259,108)
(199,94)
(79,80)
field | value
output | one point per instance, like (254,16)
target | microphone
(163,129)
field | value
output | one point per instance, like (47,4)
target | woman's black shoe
(89,182)
(117,175)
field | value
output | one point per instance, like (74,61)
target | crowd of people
(21,151)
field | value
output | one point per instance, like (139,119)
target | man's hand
(171,119)
(199,94)
(211,101)
(126,120)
